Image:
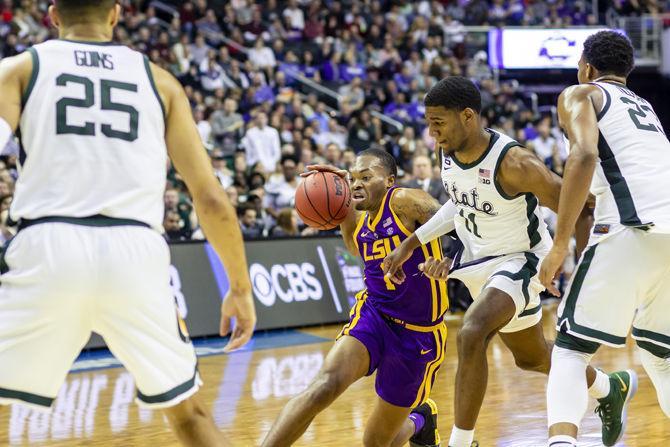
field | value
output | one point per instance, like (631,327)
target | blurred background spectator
(422,171)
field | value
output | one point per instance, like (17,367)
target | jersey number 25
(106,103)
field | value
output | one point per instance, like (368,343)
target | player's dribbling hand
(311,169)
(434,269)
(551,268)
(240,306)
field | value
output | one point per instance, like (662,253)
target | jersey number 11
(470,223)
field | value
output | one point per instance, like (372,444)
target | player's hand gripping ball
(323,198)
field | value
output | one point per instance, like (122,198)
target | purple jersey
(419,300)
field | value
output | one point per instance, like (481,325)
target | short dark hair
(286,158)
(81,10)
(454,93)
(244,207)
(610,53)
(386,159)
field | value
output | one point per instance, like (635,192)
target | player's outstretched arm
(577,117)
(217,216)
(416,208)
(348,226)
(14,75)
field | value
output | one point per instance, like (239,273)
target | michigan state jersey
(93,135)
(489,222)
(632,179)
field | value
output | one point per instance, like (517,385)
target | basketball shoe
(612,409)
(428,436)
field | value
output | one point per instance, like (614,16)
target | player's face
(447,127)
(369,182)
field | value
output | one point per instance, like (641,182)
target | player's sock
(567,396)
(461,438)
(658,370)
(562,441)
(601,386)
(419,421)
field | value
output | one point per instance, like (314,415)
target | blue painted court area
(103,359)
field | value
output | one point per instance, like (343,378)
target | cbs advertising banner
(296,282)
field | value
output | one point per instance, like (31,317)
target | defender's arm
(415,206)
(217,216)
(14,75)
(577,117)
(522,172)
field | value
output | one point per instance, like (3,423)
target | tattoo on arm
(424,210)
(416,207)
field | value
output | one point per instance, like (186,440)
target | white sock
(658,370)
(562,441)
(567,396)
(601,386)
(461,438)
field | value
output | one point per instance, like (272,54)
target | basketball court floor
(247,389)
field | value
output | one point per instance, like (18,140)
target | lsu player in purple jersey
(396,330)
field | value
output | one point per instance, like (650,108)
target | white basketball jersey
(489,222)
(92,134)
(632,179)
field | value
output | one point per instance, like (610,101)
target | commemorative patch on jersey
(485,176)
(601,229)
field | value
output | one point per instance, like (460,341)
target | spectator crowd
(278,85)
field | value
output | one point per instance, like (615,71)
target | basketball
(323,200)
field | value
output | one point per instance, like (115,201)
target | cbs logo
(289,282)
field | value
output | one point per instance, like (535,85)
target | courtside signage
(296,282)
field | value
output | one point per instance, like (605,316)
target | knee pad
(658,370)
(567,393)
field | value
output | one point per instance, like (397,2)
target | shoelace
(605,413)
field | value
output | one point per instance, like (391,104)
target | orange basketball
(323,200)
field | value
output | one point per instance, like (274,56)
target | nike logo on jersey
(425,351)
(365,233)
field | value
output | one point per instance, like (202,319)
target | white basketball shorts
(623,281)
(66,280)
(516,275)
